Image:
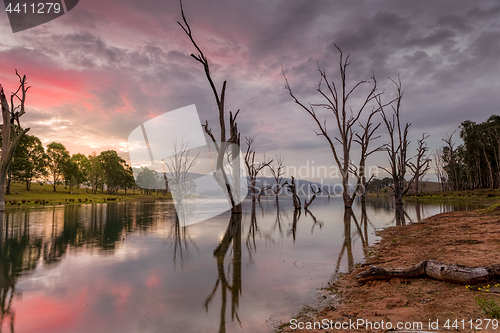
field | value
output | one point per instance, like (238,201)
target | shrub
(489,307)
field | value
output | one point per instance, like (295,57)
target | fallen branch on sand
(445,272)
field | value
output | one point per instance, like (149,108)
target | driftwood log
(445,272)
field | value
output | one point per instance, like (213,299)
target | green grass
(42,195)
(479,194)
(489,306)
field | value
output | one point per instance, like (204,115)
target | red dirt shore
(470,238)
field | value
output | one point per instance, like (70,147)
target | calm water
(129,268)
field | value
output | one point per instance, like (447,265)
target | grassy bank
(41,195)
(480,194)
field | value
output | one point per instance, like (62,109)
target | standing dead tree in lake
(368,130)
(293,188)
(232,142)
(278,172)
(178,171)
(315,192)
(423,161)
(253,169)
(12,132)
(336,99)
(397,148)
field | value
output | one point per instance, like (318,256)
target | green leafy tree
(95,173)
(71,174)
(29,161)
(113,167)
(57,157)
(147,179)
(128,179)
(82,169)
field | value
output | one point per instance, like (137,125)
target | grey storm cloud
(136,62)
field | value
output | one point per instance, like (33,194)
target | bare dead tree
(293,188)
(423,161)
(336,100)
(450,160)
(263,191)
(368,130)
(233,141)
(439,167)
(178,167)
(307,204)
(278,172)
(253,169)
(397,148)
(12,131)
(328,193)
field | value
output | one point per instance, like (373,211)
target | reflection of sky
(138,287)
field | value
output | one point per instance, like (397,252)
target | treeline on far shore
(106,172)
(471,169)
(475,164)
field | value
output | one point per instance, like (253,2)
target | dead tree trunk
(364,142)
(293,189)
(12,131)
(277,173)
(336,100)
(307,204)
(233,142)
(445,272)
(422,163)
(263,191)
(253,169)
(397,148)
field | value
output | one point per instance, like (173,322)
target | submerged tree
(178,167)
(292,187)
(337,100)
(397,148)
(228,144)
(12,131)
(253,169)
(422,163)
(368,130)
(278,173)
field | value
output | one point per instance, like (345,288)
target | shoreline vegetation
(468,238)
(44,195)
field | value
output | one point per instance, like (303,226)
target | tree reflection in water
(293,229)
(7,281)
(29,237)
(315,220)
(232,281)
(180,238)
(362,232)
(401,216)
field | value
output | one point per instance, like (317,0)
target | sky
(104,68)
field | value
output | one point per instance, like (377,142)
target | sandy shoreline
(470,238)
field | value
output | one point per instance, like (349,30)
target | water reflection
(181,241)
(7,282)
(231,283)
(113,256)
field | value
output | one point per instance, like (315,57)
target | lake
(129,267)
